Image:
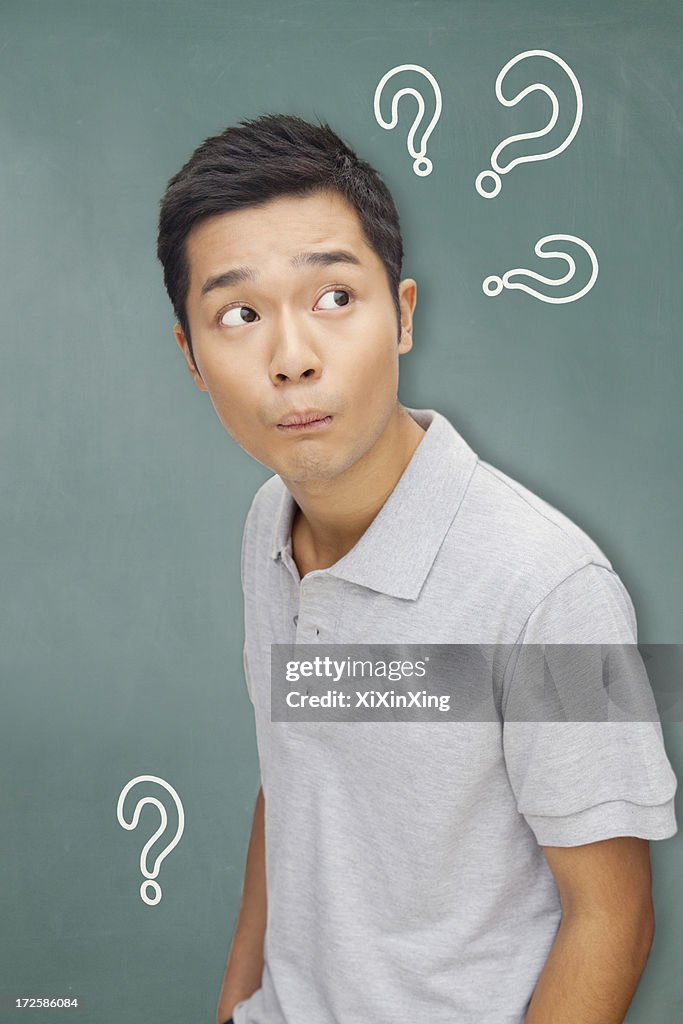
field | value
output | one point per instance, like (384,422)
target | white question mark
(150,876)
(494,285)
(422,165)
(538,86)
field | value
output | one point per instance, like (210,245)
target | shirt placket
(315,613)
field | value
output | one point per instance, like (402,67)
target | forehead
(263,235)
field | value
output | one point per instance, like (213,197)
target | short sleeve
(247,676)
(579,782)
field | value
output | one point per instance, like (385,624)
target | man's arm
(605,936)
(245,961)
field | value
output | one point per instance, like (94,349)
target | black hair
(257,160)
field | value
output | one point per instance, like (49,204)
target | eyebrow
(302,259)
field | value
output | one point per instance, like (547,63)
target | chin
(310,468)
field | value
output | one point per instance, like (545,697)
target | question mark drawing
(150,876)
(494,285)
(422,165)
(495,174)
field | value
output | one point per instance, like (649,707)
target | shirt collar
(396,552)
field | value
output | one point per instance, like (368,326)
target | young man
(492,872)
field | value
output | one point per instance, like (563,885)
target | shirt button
(296,619)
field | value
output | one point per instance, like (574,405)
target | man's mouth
(311,422)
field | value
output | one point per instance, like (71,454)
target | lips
(303,417)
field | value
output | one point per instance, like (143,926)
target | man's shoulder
(517,528)
(517,549)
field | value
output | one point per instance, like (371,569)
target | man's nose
(294,355)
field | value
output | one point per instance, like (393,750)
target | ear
(407,295)
(185,349)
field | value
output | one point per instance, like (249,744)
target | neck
(332,515)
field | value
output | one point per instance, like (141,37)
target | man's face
(292,337)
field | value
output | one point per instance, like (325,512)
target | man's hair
(255,161)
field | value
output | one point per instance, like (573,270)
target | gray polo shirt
(406,879)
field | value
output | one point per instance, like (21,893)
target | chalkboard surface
(123,499)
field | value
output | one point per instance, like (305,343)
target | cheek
(378,368)
(373,351)
(229,400)
(238,419)
(232,398)
(227,376)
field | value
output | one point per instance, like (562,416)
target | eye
(238,320)
(341,293)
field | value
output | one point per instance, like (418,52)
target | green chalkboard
(123,498)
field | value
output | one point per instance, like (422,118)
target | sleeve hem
(605,821)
